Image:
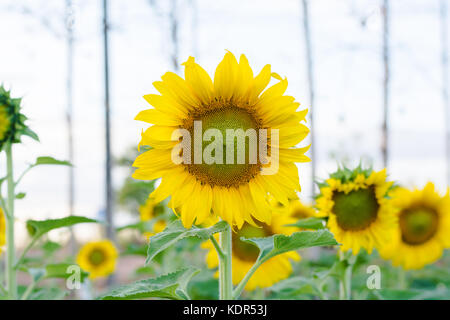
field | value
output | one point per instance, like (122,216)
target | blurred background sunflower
(2,230)
(423,230)
(358,209)
(99,258)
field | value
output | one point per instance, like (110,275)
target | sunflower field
(154,150)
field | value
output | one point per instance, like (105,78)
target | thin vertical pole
(109,192)
(310,75)
(445,82)
(386,79)
(174,35)
(69,112)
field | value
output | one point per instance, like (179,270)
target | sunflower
(12,122)
(4,123)
(358,208)
(98,258)
(299,210)
(2,230)
(149,211)
(424,227)
(234,190)
(245,254)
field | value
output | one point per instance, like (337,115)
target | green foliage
(270,247)
(176,232)
(50,161)
(20,195)
(38,228)
(345,174)
(170,286)
(59,271)
(311,223)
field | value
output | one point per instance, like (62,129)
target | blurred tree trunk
(194,28)
(386,77)
(70,21)
(108,180)
(445,82)
(173,17)
(310,76)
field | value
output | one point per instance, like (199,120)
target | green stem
(10,257)
(345,284)
(225,266)
(402,280)
(25,251)
(29,290)
(237,292)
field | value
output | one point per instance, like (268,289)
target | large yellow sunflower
(236,100)
(358,209)
(2,230)
(424,227)
(149,211)
(245,254)
(98,258)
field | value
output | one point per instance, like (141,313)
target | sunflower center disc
(4,122)
(225,174)
(418,225)
(97,257)
(355,210)
(244,250)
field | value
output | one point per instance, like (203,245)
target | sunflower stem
(238,291)
(10,257)
(402,281)
(345,284)
(225,266)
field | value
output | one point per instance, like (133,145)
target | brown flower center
(221,171)
(97,257)
(418,225)
(357,209)
(244,250)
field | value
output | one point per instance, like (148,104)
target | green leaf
(311,223)
(176,232)
(142,226)
(50,247)
(59,270)
(45,294)
(36,273)
(38,228)
(170,286)
(50,160)
(30,133)
(20,195)
(278,244)
(291,288)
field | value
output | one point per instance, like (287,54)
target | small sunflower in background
(236,99)
(424,227)
(245,254)
(299,210)
(99,258)
(2,230)
(358,208)
(149,211)
(12,122)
